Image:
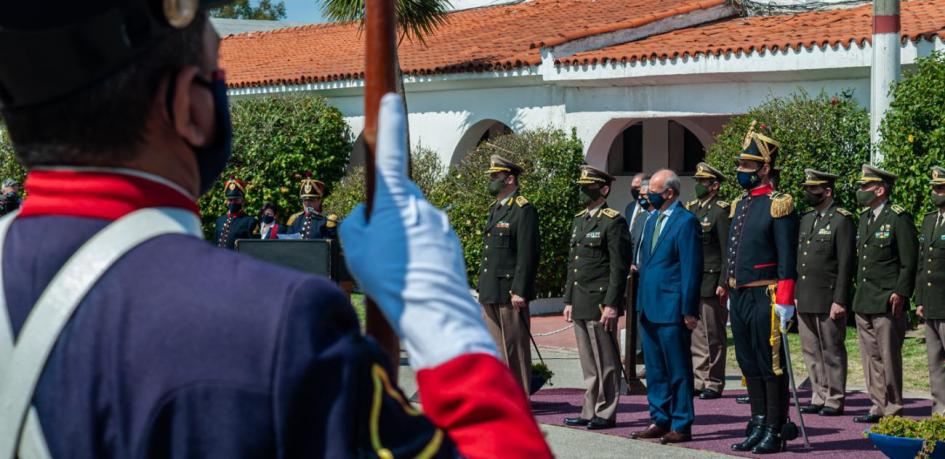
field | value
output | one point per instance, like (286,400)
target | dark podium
(321,257)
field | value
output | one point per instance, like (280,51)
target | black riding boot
(755,430)
(776,398)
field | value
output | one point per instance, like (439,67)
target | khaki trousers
(935,340)
(509,328)
(600,365)
(708,346)
(826,357)
(880,338)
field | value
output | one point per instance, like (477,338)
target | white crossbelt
(22,364)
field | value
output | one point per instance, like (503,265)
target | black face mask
(268,219)
(813,199)
(234,208)
(635,192)
(212,159)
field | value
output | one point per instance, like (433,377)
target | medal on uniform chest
(594,235)
(502,225)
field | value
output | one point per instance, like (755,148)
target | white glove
(785,314)
(409,259)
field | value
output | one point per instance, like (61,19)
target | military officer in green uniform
(930,288)
(598,263)
(886,252)
(826,260)
(708,339)
(509,264)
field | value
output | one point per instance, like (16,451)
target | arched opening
(480,132)
(685,149)
(358,153)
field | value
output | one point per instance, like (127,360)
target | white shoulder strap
(24,362)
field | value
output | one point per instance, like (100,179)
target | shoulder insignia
(731,213)
(610,213)
(844,212)
(581,213)
(781,205)
(521,201)
(332,221)
(897,209)
(691,204)
(293,218)
(722,204)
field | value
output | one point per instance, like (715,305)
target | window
(632,149)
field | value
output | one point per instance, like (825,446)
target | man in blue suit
(670,276)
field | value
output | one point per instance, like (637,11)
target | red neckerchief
(762,190)
(273,232)
(236,214)
(105,195)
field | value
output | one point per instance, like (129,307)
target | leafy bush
(275,141)
(826,133)
(913,132)
(9,166)
(425,169)
(550,159)
(930,430)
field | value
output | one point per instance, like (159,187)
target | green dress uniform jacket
(826,260)
(713,217)
(886,252)
(930,281)
(598,263)
(509,252)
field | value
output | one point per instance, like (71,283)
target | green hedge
(913,132)
(828,133)
(551,159)
(275,141)
(9,166)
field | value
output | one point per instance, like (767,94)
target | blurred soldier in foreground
(709,340)
(761,269)
(160,338)
(593,296)
(930,288)
(886,251)
(9,197)
(234,224)
(826,260)
(509,266)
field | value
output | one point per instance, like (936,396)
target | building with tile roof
(645,84)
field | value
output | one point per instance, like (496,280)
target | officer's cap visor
(52,49)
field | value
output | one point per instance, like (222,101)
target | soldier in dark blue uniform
(310,223)
(119,110)
(761,272)
(235,224)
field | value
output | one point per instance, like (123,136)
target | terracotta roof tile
(920,19)
(482,39)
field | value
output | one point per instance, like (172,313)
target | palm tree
(416,19)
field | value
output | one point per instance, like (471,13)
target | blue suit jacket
(671,274)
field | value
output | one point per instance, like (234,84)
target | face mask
(496,186)
(938,200)
(813,199)
(588,195)
(748,180)
(234,208)
(864,197)
(701,190)
(635,192)
(211,160)
(268,219)
(656,199)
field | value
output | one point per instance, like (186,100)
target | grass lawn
(357,300)
(915,370)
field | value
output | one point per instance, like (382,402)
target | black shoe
(709,394)
(755,434)
(576,422)
(867,418)
(743,399)
(828,411)
(697,392)
(810,409)
(600,423)
(771,443)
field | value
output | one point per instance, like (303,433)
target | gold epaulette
(581,213)
(844,212)
(691,204)
(610,213)
(332,221)
(731,212)
(781,205)
(722,204)
(293,218)
(521,201)
(897,209)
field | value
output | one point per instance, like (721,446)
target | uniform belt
(758,283)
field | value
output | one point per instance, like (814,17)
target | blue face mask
(748,180)
(656,199)
(212,159)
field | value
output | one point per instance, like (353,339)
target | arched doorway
(481,131)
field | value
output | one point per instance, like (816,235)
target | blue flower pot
(903,448)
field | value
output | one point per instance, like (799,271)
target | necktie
(656,232)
